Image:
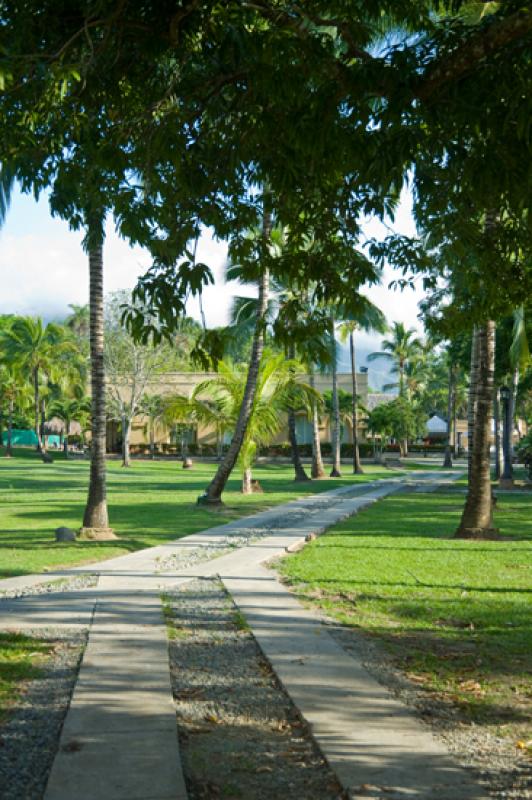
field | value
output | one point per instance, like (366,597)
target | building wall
(183,383)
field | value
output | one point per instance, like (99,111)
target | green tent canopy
(22,438)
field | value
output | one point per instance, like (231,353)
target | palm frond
(519,348)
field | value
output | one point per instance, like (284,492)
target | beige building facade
(184,383)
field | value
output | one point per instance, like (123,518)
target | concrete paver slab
(118,766)
(119,739)
(375,745)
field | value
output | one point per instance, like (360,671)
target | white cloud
(43,268)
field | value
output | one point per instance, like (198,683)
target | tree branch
(499,34)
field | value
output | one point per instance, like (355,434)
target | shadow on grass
(421,585)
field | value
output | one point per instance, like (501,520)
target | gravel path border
(240,734)
(243,536)
(505,772)
(29,737)
(52,586)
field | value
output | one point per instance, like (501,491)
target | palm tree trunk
(448,460)
(65,439)
(357,466)
(299,470)
(511,410)
(44,435)
(455,425)
(335,438)
(477,516)
(401,378)
(126,430)
(472,397)
(152,439)
(403,446)
(37,406)
(247,477)
(9,451)
(497,427)
(317,471)
(96,516)
(213,493)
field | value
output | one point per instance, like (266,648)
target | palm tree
(403,348)
(96,517)
(213,493)
(519,357)
(69,410)
(243,313)
(188,412)
(370,318)
(335,408)
(477,516)
(14,391)
(39,351)
(280,385)
(153,406)
(79,321)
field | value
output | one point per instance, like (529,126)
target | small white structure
(436,426)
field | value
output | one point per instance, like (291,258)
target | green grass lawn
(454,614)
(149,503)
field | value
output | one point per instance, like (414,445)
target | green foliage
(280,386)
(524,451)
(398,418)
(345,400)
(403,350)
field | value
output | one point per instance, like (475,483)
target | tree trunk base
(187,463)
(317,474)
(301,477)
(506,483)
(97,534)
(447,462)
(358,471)
(335,473)
(481,534)
(211,502)
(253,488)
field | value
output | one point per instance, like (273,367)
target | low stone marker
(63,534)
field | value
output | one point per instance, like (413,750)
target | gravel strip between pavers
(241,537)
(240,735)
(51,587)
(29,737)
(503,770)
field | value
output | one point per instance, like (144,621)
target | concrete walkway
(119,739)
(378,749)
